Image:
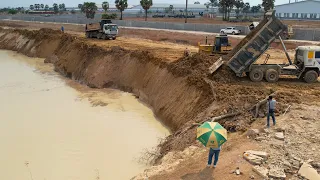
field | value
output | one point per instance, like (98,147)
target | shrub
(109,16)
(12,11)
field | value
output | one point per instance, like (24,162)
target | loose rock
(252,132)
(262,171)
(276,173)
(308,172)
(279,135)
(260,138)
(262,154)
(253,159)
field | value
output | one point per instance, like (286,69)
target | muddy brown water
(52,128)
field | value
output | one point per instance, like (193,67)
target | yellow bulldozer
(220,45)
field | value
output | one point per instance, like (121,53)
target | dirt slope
(180,92)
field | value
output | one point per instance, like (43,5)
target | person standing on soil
(62,29)
(186,52)
(271,106)
(213,152)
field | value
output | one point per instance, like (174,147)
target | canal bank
(54,128)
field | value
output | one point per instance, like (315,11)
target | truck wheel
(311,76)
(104,37)
(272,75)
(99,35)
(222,32)
(87,35)
(114,38)
(233,33)
(256,75)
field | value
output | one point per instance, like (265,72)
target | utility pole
(186,12)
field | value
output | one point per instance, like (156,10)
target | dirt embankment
(139,72)
(180,92)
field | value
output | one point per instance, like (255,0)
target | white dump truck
(242,59)
(105,29)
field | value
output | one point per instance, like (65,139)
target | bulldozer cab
(221,43)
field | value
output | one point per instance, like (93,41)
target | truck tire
(114,38)
(222,32)
(99,36)
(311,76)
(272,75)
(87,35)
(233,33)
(256,75)
(104,37)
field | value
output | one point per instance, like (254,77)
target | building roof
(298,2)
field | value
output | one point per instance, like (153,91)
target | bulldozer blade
(216,65)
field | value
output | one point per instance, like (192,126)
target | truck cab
(307,59)
(110,30)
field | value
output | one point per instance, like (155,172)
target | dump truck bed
(93,27)
(97,26)
(255,44)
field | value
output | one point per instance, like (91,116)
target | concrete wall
(299,34)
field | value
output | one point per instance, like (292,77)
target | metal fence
(299,34)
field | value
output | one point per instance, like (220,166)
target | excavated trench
(180,93)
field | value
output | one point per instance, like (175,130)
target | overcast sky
(74,3)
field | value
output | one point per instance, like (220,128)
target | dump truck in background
(105,29)
(243,57)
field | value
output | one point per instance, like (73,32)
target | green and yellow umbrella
(211,134)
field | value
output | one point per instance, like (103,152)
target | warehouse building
(309,9)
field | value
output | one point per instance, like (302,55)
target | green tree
(42,6)
(55,8)
(46,7)
(80,6)
(246,8)
(255,9)
(12,11)
(226,7)
(239,6)
(197,2)
(73,11)
(62,7)
(171,8)
(207,6)
(121,5)
(105,6)
(212,3)
(267,5)
(37,6)
(31,7)
(146,4)
(89,8)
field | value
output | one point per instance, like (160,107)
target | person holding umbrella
(213,152)
(212,135)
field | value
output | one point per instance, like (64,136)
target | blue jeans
(271,113)
(216,156)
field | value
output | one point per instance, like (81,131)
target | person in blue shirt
(62,29)
(213,152)
(271,106)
